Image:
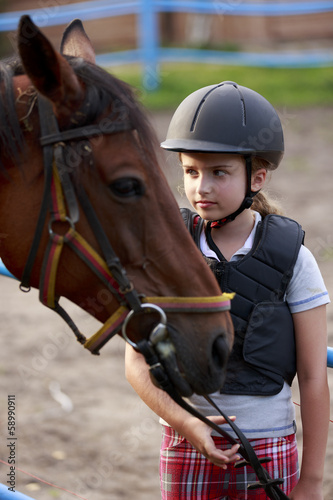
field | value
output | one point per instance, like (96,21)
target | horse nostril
(220,352)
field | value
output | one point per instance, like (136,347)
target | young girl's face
(215,183)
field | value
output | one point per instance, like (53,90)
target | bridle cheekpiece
(61,201)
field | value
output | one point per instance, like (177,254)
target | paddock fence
(149,51)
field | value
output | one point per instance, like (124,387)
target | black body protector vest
(264,353)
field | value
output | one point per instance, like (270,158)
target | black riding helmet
(228,118)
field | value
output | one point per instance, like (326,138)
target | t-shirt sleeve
(306,289)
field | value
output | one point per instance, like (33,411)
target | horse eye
(127,187)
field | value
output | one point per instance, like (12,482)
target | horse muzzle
(167,367)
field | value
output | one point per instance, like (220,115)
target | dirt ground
(79,424)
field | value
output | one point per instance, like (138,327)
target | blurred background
(81,426)
(147,43)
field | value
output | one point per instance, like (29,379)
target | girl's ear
(258,179)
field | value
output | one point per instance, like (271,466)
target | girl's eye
(127,187)
(190,171)
(219,173)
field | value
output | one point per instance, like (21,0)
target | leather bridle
(60,199)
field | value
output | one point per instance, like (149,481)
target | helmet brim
(202,147)
(187,145)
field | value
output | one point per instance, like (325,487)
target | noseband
(60,199)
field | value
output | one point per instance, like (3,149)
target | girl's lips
(205,203)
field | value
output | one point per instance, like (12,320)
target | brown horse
(74,139)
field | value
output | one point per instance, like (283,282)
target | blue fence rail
(330,357)
(6,494)
(149,53)
(60,14)
(4,271)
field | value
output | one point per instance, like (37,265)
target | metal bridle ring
(163,320)
(67,220)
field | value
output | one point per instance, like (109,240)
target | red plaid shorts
(185,474)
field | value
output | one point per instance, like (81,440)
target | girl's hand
(199,435)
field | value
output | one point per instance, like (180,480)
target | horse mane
(102,91)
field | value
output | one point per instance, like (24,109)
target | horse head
(86,212)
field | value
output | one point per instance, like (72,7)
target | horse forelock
(11,137)
(102,91)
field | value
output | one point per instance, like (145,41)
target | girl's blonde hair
(262,203)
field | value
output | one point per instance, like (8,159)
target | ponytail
(262,203)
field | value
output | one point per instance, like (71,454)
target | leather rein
(61,200)
(269,485)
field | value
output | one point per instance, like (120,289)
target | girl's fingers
(221,458)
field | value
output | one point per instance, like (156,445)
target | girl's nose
(204,185)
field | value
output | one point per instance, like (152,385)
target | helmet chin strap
(246,203)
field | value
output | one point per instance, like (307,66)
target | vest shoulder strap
(193,223)
(277,242)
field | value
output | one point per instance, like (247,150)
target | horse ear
(49,72)
(75,42)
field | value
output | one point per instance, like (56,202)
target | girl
(228,137)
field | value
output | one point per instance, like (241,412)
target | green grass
(282,87)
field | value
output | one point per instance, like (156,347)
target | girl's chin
(209,215)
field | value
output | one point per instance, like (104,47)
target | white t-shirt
(306,289)
(269,416)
